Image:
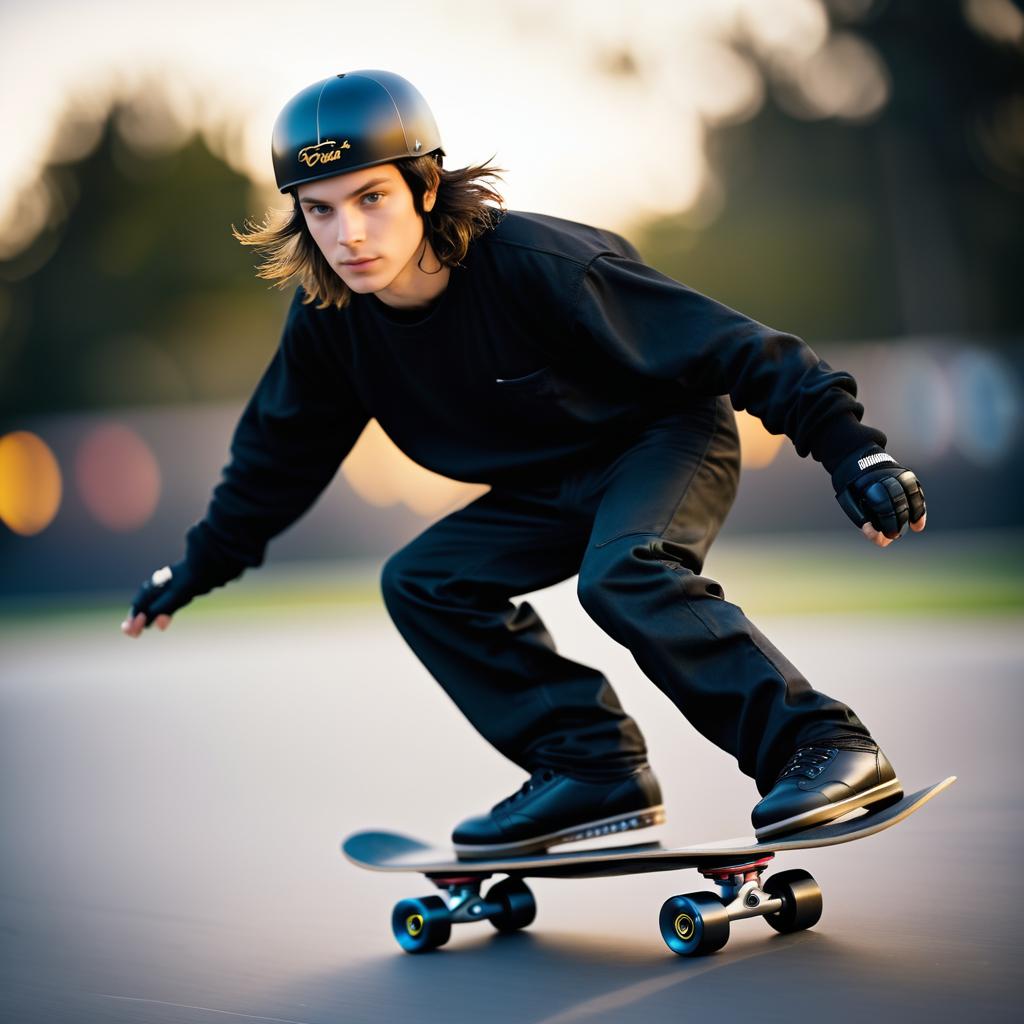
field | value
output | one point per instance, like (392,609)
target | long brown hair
(460,214)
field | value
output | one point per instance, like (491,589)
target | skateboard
(691,925)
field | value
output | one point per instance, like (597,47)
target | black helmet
(350,121)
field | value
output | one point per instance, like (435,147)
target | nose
(351,228)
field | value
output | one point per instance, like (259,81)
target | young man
(544,358)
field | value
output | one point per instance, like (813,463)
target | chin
(363,285)
(359,287)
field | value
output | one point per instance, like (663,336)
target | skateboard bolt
(752,900)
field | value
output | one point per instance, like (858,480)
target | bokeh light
(915,393)
(758,448)
(118,477)
(998,19)
(846,78)
(382,475)
(988,405)
(30,483)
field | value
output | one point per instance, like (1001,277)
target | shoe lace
(806,761)
(544,775)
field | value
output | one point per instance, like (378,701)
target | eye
(317,206)
(375,196)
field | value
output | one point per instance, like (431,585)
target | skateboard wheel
(518,907)
(695,924)
(421,924)
(801,897)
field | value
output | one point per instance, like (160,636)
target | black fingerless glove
(169,589)
(872,487)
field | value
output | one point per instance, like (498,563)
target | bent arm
(660,328)
(301,422)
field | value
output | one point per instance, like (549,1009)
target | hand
(880,538)
(133,626)
(879,495)
(167,590)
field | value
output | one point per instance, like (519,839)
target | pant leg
(448,593)
(660,506)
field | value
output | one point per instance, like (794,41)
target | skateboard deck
(691,925)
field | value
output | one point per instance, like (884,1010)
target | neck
(415,286)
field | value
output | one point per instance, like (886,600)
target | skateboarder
(592,393)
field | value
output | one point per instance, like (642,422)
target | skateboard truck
(740,889)
(426,923)
(698,922)
(464,900)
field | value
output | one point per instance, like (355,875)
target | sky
(531,83)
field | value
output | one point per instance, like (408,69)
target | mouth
(360,264)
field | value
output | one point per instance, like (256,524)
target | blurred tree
(134,291)
(907,220)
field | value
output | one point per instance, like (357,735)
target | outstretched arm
(300,423)
(657,327)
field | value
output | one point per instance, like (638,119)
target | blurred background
(851,171)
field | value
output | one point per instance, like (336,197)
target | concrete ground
(172,809)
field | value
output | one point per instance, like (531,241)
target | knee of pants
(610,572)
(412,580)
(615,579)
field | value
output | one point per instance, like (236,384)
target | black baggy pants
(636,526)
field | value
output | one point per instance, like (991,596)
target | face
(367,228)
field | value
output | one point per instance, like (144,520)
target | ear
(429,198)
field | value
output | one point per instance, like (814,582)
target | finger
(165,604)
(887,504)
(915,495)
(919,525)
(143,599)
(874,536)
(848,503)
(162,622)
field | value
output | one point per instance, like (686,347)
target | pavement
(171,811)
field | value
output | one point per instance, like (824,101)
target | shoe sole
(873,799)
(590,830)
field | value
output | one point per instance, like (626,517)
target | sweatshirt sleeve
(657,327)
(298,426)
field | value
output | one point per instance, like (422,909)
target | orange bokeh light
(117,476)
(758,448)
(30,483)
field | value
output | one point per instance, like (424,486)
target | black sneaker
(551,808)
(824,781)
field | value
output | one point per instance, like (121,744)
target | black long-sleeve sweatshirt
(551,340)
